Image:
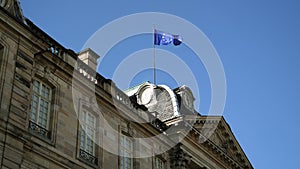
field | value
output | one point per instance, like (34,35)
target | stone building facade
(58,112)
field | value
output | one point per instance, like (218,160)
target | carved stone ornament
(160,99)
(6,4)
(179,158)
(187,98)
(13,7)
(146,94)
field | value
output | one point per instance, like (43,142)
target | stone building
(57,112)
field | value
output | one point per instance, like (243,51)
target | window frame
(86,126)
(44,74)
(126,137)
(87,107)
(38,109)
(160,159)
(50,138)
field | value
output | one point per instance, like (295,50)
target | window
(40,109)
(87,137)
(159,163)
(88,126)
(126,152)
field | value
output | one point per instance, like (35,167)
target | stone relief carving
(188,101)
(158,99)
(146,95)
(179,158)
(6,3)
(187,98)
(13,7)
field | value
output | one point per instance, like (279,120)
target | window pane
(35,98)
(33,115)
(82,140)
(45,91)
(39,106)
(126,152)
(91,120)
(34,108)
(87,122)
(90,146)
(43,114)
(36,86)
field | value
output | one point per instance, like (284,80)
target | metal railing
(39,130)
(88,157)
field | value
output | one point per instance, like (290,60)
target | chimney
(89,57)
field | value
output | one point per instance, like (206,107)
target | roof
(216,135)
(131,91)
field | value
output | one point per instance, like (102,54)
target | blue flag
(163,38)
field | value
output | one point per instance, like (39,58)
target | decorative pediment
(215,135)
(159,99)
(14,8)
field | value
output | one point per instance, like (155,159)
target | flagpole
(154,57)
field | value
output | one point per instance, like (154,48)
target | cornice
(229,150)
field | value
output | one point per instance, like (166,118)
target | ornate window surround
(6,49)
(36,124)
(45,76)
(3,59)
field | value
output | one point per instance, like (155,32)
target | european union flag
(163,38)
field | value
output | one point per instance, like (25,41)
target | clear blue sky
(257,41)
